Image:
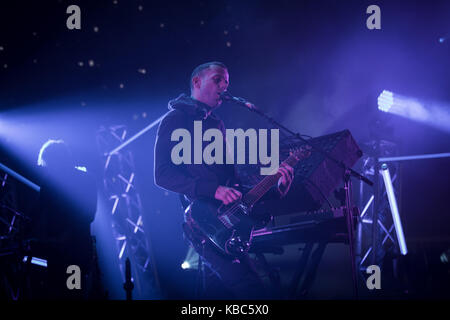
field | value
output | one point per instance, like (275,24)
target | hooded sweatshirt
(193,180)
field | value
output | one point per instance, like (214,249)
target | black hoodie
(193,180)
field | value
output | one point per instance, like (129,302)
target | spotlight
(434,114)
(191,260)
(394,209)
(36,261)
(385,101)
(137,135)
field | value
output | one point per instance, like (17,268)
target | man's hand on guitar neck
(227,195)
(285,181)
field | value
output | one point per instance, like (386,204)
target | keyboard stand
(310,270)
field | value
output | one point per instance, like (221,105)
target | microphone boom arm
(240,101)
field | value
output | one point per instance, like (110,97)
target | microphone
(228,97)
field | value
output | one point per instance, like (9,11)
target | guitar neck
(265,184)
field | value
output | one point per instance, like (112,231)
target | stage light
(431,113)
(416,157)
(84,169)
(137,135)
(385,101)
(36,261)
(191,259)
(394,209)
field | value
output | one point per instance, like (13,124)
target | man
(196,181)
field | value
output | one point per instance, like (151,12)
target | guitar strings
(230,212)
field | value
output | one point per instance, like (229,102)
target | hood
(189,105)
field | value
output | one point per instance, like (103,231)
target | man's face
(208,86)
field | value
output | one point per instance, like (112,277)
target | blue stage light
(137,135)
(84,169)
(385,101)
(36,261)
(394,208)
(431,113)
(416,157)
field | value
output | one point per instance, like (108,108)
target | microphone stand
(348,173)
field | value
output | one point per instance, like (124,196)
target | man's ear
(196,82)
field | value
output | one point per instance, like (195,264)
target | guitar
(229,228)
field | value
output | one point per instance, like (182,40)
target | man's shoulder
(175,116)
(174,119)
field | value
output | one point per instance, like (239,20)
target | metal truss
(12,226)
(8,207)
(376,233)
(12,219)
(126,212)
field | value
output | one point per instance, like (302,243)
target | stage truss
(376,232)
(126,212)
